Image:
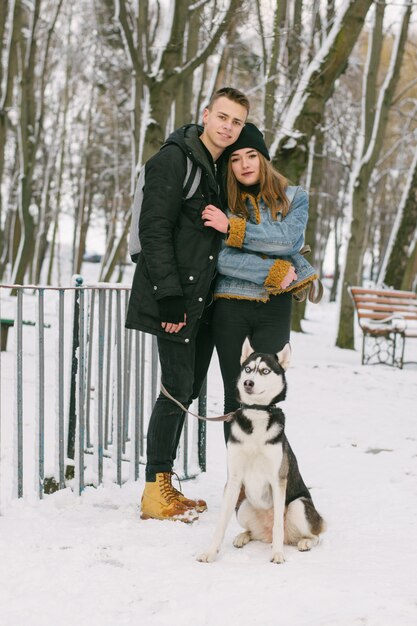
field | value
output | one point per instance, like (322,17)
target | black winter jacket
(179,253)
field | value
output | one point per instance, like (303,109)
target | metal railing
(76,391)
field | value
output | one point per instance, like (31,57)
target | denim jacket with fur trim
(257,253)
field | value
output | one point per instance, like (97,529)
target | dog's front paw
(277,557)
(207,557)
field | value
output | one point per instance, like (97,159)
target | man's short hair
(232,94)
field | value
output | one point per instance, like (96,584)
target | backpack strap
(190,184)
(134,243)
(192,179)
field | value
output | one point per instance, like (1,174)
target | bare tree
(314,87)
(27,48)
(9,29)
(158,75)
(301,67)
(31,95)
(399,269)
(272,61)
(372,135)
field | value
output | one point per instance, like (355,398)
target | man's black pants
(183,369)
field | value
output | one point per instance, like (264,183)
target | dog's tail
(315,520)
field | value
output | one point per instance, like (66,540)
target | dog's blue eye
(248,369)
(266,370)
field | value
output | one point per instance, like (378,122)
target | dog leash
(314,291)
(219,418)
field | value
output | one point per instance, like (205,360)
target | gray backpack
(191,182)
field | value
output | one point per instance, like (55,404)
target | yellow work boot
(160,501)
(199,505)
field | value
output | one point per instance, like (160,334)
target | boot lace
(167,490)
(177,492)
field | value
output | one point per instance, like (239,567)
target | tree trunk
(410,272)
(114,256)
(26,125)
(83,206)
(7,77)
(305,113)
(85,223)
(184,110)
(361,175)
(272,71)
(336,267)
(61,157)
(31,102)
(313,187)
(294,40)
(45,214)
(400,262)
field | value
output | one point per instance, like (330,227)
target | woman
(260,266)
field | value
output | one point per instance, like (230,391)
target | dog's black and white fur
(264,483)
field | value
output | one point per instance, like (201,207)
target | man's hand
(172,308)
(173,328)
(215,218)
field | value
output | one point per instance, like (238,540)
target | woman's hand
(287,280)
(215,218)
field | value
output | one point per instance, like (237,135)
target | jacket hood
(187,138)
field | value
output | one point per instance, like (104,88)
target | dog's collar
(258,407)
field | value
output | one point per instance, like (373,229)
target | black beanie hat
(250,137)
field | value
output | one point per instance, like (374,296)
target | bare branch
(121,17)
(189,67)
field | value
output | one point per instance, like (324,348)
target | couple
(211,270)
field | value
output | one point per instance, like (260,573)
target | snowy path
(91,561)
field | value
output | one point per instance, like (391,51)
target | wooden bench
(387,318)
(5,324)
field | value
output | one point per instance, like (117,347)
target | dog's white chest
(258,441)
(256,460)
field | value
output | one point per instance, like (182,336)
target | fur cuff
(237,232)
(276,275)
(296,289)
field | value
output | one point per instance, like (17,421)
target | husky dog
(264,483)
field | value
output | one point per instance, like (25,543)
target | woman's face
(245,165)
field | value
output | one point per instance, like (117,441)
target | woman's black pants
(267,324)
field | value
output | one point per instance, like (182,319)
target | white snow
(90,560)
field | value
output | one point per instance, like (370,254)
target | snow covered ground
(92,561)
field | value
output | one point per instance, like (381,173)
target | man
(172,285)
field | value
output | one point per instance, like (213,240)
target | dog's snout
(248,385)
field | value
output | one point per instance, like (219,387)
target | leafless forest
(90,88)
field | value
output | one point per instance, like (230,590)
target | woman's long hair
(272,189)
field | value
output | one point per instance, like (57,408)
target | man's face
(222,125)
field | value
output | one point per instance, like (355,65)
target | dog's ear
(246,350)
(284,356)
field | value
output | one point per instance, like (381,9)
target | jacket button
(200,299)
(155,287)
(211,257)
(191,278)
(187,340)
